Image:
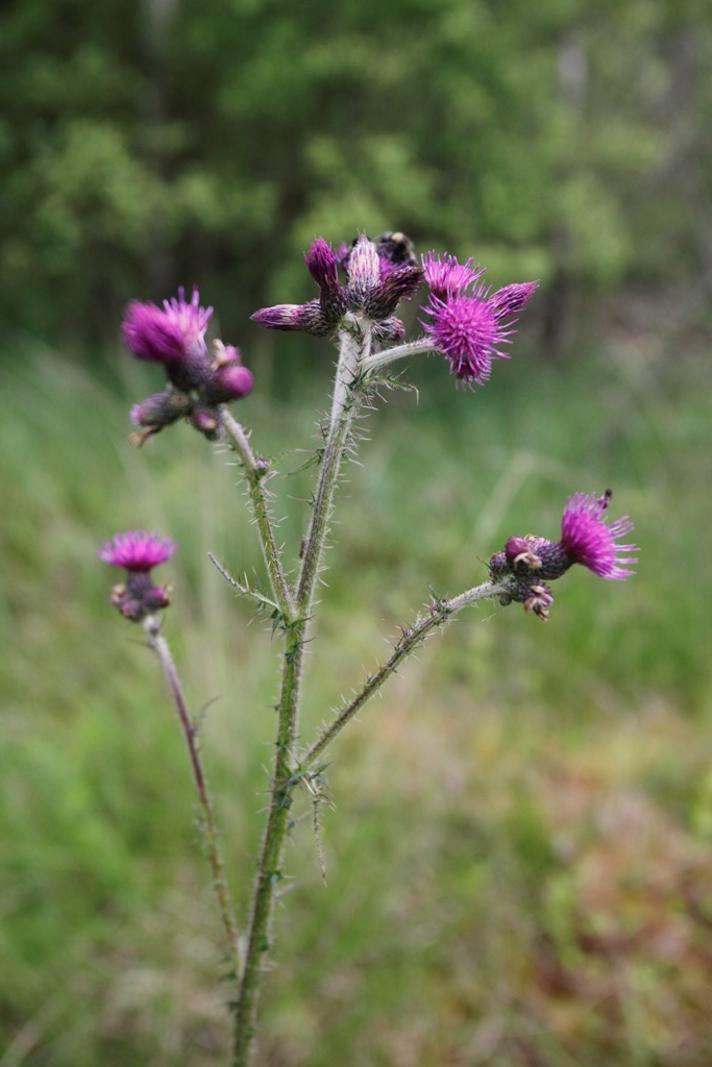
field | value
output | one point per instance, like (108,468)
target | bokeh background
(518,857)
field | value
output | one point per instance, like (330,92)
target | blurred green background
(518,861)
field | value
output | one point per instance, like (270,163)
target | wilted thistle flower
(138,552)
(377,279)
(586,538)
(175,337)
(469,323)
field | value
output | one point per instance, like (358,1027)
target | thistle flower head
(512,298)
(230,381)
(364,269)
(594,543)
(396,284)
(586,538)
(378,277)
(190,318)
(175,336)
(168,335)
(137,550)
(322,264)
(447,277)
(234,381)
(467,331)
(309,318)
(468,323)
(150,334)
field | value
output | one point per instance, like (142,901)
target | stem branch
(255,472)
(441,612)
(160,646)
(389,355)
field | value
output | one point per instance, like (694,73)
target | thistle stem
(269,871)
(354,348)
(160,646)
(440,613)
(255,473)
(389,355)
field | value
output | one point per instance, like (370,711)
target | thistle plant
(360,288)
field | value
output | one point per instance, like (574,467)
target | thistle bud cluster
(367,278)
(586,538)
(138,552)
(197,381)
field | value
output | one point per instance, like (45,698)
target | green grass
(517,857)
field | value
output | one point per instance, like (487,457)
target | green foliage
(151,144)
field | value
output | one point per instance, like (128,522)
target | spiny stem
(389,355)
(269,871)
(354,347)
(354,352)
(441,612)
(255,472)
(160,646)
(243,587)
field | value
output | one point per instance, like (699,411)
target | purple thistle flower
(512,298)
(589,540)
(231,381)
(378,278)
(191,319)
(279,317)
(234,381)
(322,264)
(447,277)
(137,550)
(376,283)
(364,269)
(469,324)
(586,538)
(170,335)
(467,330)
(309,318)
(150,334)
(398,283)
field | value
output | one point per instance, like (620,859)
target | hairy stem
(354,348)
(354,351)
(255,472)
(389,355)
(160,646)
(440,613)
(269,872)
